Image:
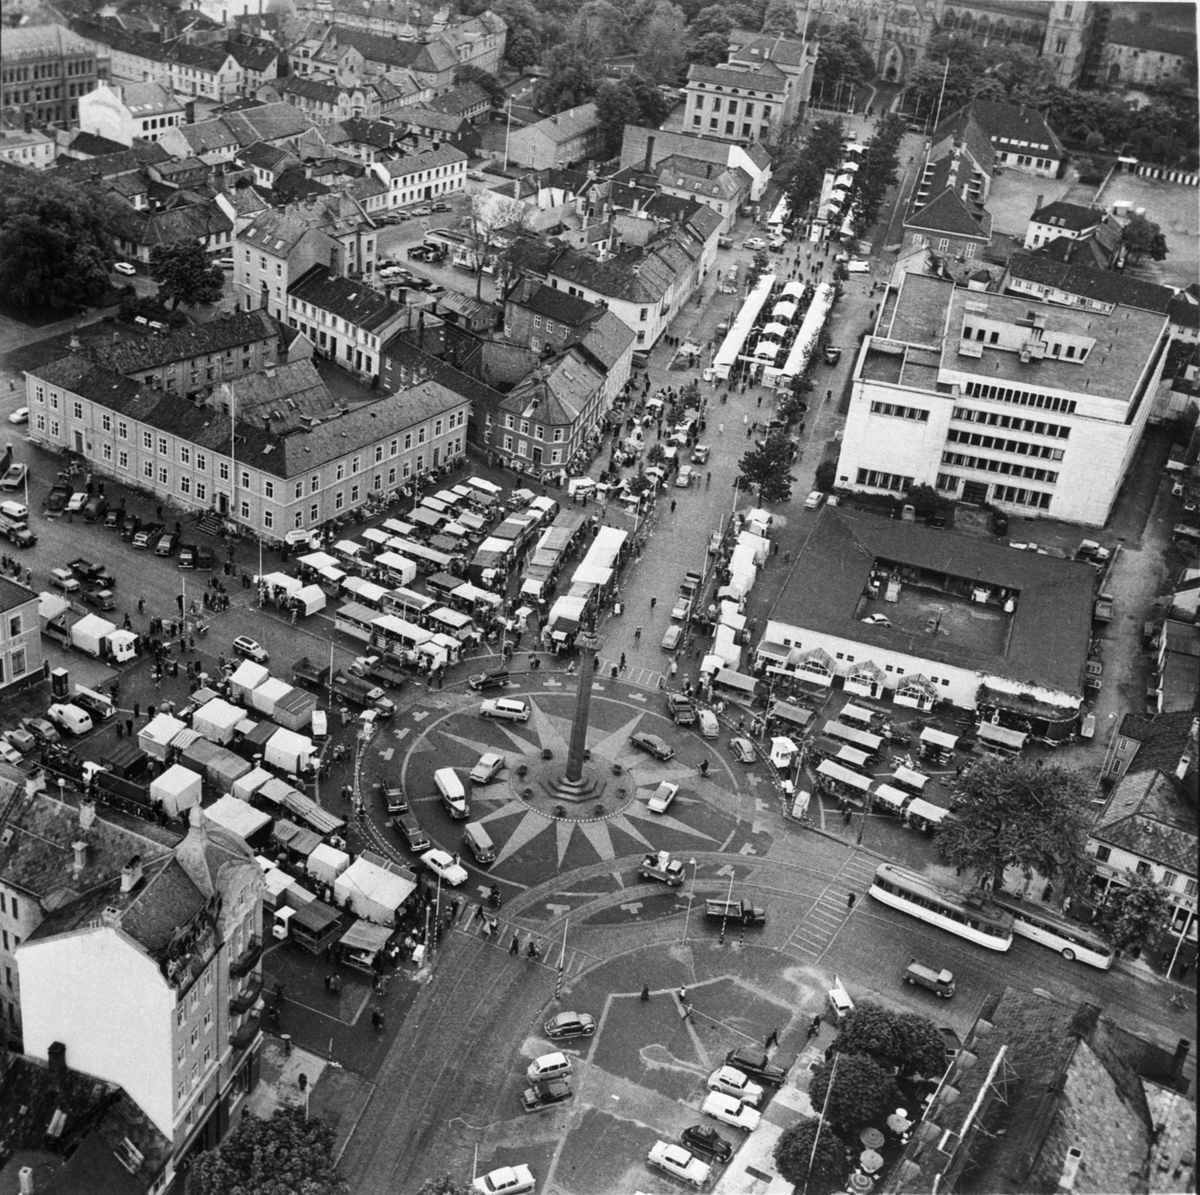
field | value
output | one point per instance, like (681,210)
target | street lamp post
(688,914)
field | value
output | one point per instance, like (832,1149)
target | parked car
(41,729)
(20,740)
(570,1024)
(734,1082)
(76,502)
(700,454)
(707,1141)
(681,709)
(112,520)
(729,1110)
(663,795)
(743,750)
(441,207)
(420,211)
(757,1065)
(486,770)
(99,599)
(250,650)
(410,830)
(555,1065)
(65,580)
(14,477)
(20,415)
(671,637)
(508,1180)
(146,536)
(652,745)
(814,499)
(442,863)
(679,1163)
(546,1095)
(94,508)
(9,753)
(123,267)
(496,679)
(754,243)
(833,354)
(506,708)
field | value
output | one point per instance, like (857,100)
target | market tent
(156,736)
(274,790)
(178,788)
(939,738)
(280,581)
(326,863)
(791,713)
(910,779)
(892,798)
(304,807)
(246,679)
(216,720)
(374,890)
(363,941)
(198,753)
(295,838)
(311,599)
(318,560)
(926,811)
(244,787)
(244,820)
(994,734)
(273,689)
(224,768)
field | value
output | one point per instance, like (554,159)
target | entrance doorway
(975,491)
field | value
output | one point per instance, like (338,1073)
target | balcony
(246,960)
(246,1036)
(245,1000)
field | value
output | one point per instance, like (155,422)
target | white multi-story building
(1001,400)
(430,175)
(152,981)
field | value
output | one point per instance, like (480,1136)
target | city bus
(1051,929)
(967,916)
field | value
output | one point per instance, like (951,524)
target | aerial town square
(599,597)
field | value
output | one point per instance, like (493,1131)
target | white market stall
(288,751)
(805,343)
(177,789)
(731,346)
(217,719)
(156,736)
(374,888)
(326,863)
(244,787)
(238,817)
(273,689)
(246,678)
(309,600)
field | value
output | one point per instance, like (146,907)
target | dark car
(112,519)
(95,508)
(757,1065)
(205,557)
(706,1141)
(187,556)
(410,830)
(99,599)
(129,527)
(683,712)
(832,354)
(571,1024)
(441,207)
(41,729)
(651,744)
(167,543)
(146,536)
(546,1095)
(496,679)
(393,797)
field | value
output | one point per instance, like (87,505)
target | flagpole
(562,958)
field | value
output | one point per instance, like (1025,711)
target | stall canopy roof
(939,738)
(993,732)
(242,818)
(316,916)
(295,838)
(363,935)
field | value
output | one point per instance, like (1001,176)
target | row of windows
(1020,447)
(899,412)
(731,106)
(521,449)
(1013,422)
(884,481)
(942,244)
(1024,398)
(1055,349)
(1008,468)
(1021,497)
(539,432)
(49,70)
(943,908)
(747,130)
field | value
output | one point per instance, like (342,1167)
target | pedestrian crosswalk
(503,935)
(820,925)
(634,674)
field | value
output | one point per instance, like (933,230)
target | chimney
(1037,207)
(87,814)
(25,1180)
(56,1056)
(1181,1053)
(131,874)
(29,122)
(80,848)
(649,153)
(708,170)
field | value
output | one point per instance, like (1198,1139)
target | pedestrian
(622,661)
(129,727)
(120,731)
(614,672)
(708,479)
(328,981)
(653,603)
(745,417)
(772,1039)
(637,635)
(850,899)
(674,668)
(672,505)
(815,1027)
(645,992)
(683,995)
(846,815)
(721,427)
(515,947)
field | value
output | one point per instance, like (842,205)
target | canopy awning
(939,738)
(926,810)
(910,779)
(792,713)
(835,771)
(735,680)
(1001,736)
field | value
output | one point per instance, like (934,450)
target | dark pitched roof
(1074,217)
(767,77)
(355,302)
(1147,816)
(948,214)
(13,595)
(94,146)
(1048,638)
(253,58)
(382,134)
(1101,285)
(1155,38)
(460,99)
(553,303)
(135,354)
(1007,124)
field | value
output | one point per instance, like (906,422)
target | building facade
(573,135)
(996,399)
(21,654)
(1137,55)
(428,175)
(122,112)
(44,70)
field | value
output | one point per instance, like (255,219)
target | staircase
(209,523)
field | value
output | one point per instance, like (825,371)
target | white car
(684,478)
(508,1180)
(729,1110)
(549,1066)
(9,753)
(507,708)
(679,1163)
(443,863)
(123,267)
(733,1082)
(485,771)
(877,620)
(664,794)
(754,243)
(20,415)
(76,502)
(814,499)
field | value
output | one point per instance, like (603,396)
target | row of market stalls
(592,584)
(739,333)
(804,344)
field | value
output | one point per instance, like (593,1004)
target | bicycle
(1175,1000)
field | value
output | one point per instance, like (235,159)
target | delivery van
(476,840)
(454,796)
(940,982)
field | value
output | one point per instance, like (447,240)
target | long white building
(1001,399)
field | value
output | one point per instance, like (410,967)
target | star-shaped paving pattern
(638,771)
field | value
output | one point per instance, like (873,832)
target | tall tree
(570,80)
(493,222)
(1143,238)
(842,60)
(286,1155)
(1135,913)
(185,275)
(907,1041)
(812,1157)
(616,106)
(922,1048)
(767,470)
(1015,813)
(662,41)
(877,172)
(860,1091)
(652,104)
(55,249)
(490,84)
(780,17)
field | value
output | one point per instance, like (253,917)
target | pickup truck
(1103,609)
(305,672)
(683,712)
(59,496)
(380,669)
(95,575)
(361,693)
(17,532)
(735,911)
(660,866)
(147,535)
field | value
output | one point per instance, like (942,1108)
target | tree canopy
(877,172)
(818,1170)
(1143,238)
(1135,912)
(842,59)
(446,1184)
(822,151)
(1016,813)
(860,1091)
(907,1041)
(472,74)
(185,275)
(55,249)
(285,1155)
(767,469)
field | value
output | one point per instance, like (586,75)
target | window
(185,484)
(339,500)
(201,492)
(268,518)
(223,470)
(642,314)
(123,459)
(106,422)
(268,489)
(162,445)
(244,479)
(162,475)
(1103,854)
(147,441)
(122,429)
(148,469)
(244,510)
(1142,868)
(185,454)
